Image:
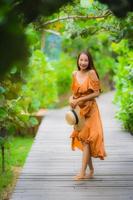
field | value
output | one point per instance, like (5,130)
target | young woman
(90,139)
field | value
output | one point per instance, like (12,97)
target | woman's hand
(70,100)
(73,102)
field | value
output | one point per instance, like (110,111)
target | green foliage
(39,89)
(64,68)
(85,27)
(14,17)
(16,14)
(18,146)
(12,37)
(119,29)
(8,103)
(23,93)
(33,37)
(124,84)
(5,181)
(116,29)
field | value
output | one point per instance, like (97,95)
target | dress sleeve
(94,81)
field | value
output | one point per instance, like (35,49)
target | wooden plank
(50,166)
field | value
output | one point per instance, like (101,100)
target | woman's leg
(90,163)
(91,167)
(85,161)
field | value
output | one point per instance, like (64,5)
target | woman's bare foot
(81,176)
(91,174)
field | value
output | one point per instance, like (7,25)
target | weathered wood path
(50,167)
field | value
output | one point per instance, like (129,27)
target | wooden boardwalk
(50,167)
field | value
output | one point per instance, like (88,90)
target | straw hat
(73,117)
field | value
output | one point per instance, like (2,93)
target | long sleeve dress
(92,132)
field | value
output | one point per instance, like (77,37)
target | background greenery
(124,83)
(30,80)
(15,155)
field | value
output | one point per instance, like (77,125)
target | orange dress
(92,132)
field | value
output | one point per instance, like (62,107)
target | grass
(15,156)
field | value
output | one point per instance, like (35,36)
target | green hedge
(124,84)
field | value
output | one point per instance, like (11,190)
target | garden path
(50,166)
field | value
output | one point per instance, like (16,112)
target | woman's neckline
(80,83)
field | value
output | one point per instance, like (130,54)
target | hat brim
(71,119)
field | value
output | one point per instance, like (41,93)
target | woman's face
(83,62)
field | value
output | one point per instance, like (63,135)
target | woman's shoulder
(92,71)
(74,73)
(93,74)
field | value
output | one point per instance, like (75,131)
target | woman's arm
(89,96)
(82,100)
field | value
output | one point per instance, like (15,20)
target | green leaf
(33,121)
(3,113)
(2,90)
(13,70)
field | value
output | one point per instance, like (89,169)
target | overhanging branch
(75,17)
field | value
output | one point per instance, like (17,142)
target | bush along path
(50,167)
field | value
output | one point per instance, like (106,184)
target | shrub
(124,84)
